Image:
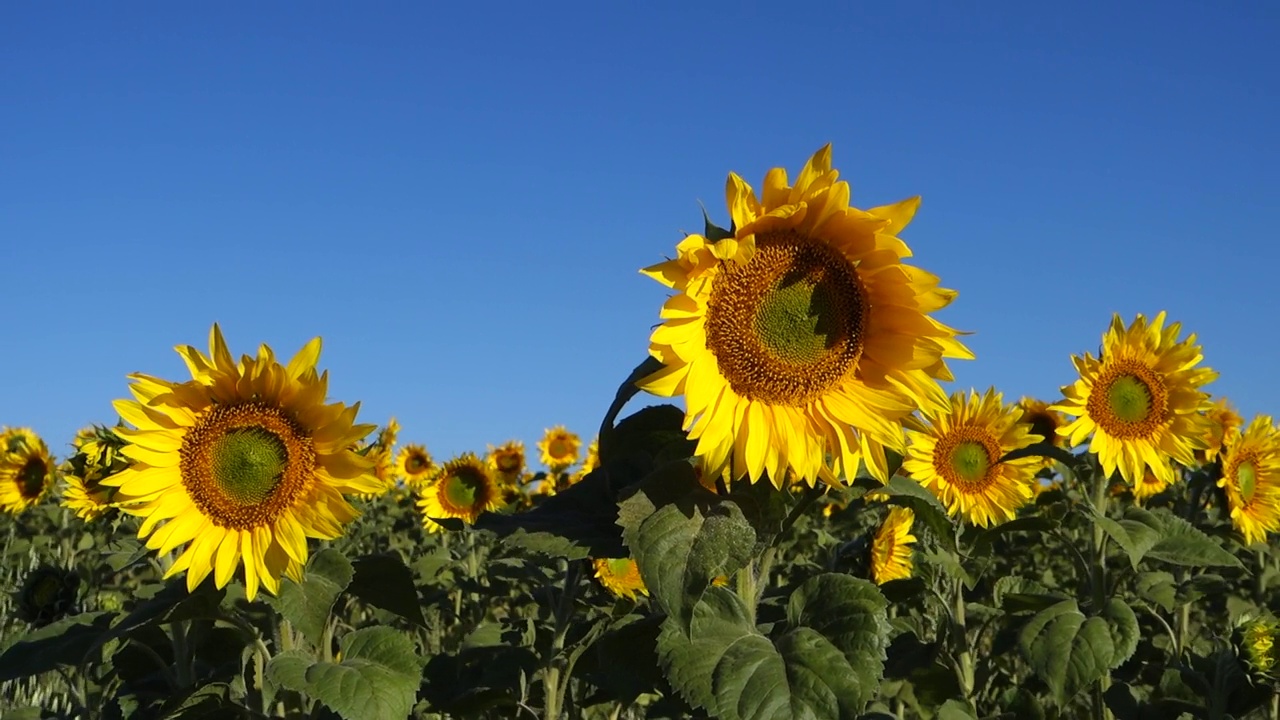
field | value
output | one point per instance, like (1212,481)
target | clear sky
(458,196)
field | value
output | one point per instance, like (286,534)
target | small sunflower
(1141,400)
(1044,422)
(26,469)
(1152,484)
(620,576)
(48,593)
(1224,422)
(241,464)
(589,463)
(799,339)
(414,464)
(1251,479)
(891,548)
(1258,640)
(96,455)
(957,457)
(463,489)
(507,462)
(559,449)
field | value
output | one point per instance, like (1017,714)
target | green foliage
(377,678)
(307,604)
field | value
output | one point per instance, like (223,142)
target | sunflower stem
(181,654)
(960,639)
(1098,582)
(554,679)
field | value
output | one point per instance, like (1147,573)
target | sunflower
(1224,421)
(620,576)
(26,469)
(1258,641)
(414,464)
(242,464)
(891,548)
(1251,479)
(589,463)
(559,449)
(800,339)
(1044,422)
(1140,400)
(463,489)
(97,455)
(507,462)
(1152,484)
(957,457)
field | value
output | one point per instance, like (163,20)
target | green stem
(1098,584)
(555,679)
(960,639)
(181,654)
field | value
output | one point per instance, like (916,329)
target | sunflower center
(415,464)
(31,477)
(1247,479)
(244,465)
(247,464)
(559,449)
(462,491)
(1129,399)
(969,461)
(786,325)
(619,568)
(1044,424)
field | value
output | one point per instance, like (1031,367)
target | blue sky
(458,199)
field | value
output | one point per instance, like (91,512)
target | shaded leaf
(307,605)
(1067,650)
(60,643)
(385,582)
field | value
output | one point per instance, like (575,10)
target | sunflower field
(814,529)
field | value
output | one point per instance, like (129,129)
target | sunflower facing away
(507,462)
(26,469)
(414,464)
(96,456)
(1150,486)
(1224,422)
(800,339)
(956,457)
(463,489)
(559,448)
(241,464)
(891,548)
(1141,400)
(1044,422)
(1251,479)
(620,576)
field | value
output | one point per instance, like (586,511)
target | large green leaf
(851,614)
(384,581)
(683,536)
(307,605)
(689,659)
(1182,544)
(1136,534)
(64,642)
(1067,650)
(1125,633)
(377,679)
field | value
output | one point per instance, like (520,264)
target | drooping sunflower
(799,338)
(1152,484)
(463,489)
(507,462)
(1044,422)
(1258,643)
(956,455)
(414,464)
(1224,422)
(620,576)
(1251,479)
(26,469)
(96,455)
(1141,400)
(559,448)
(891,548)
(241,464)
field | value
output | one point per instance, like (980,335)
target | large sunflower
(957,457)
(800,339)
(26,469)
(1141,400)
(462,489)
(891,548)
(242,464)
(414,464)
(1251,479)
(559,448)
(620,576)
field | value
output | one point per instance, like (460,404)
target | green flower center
(248,463)
(970,461)
(619,567)
(32,476)
(1129,399)
(1247,478)
(786,325)
(462,490)
(415,463)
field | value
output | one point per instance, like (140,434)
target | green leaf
(377,679)
(1123,624)
(1136,534)
(578,522)
(683,536)
(385,582)
(627,390)
(1015,594)
(711,231)
(986,537)
(851,614)
(689,658)
(955,710)
(1182,544)
(1043,449)
(1067,650)
(307,605)
(64,642)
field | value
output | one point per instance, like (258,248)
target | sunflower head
(414,464)
(800,339)
(1224,422)
(27,470)
(96,456)
(48,593)
(463,488)
(1150,486)
(957,453)
(1140,400)
(891,548)
(559,449)
(507,462)
(1251,479)
(620,576)
(1044,422)
(1258,642)
(241,464)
